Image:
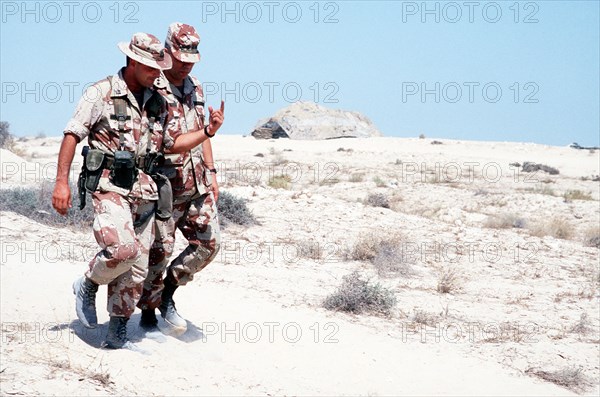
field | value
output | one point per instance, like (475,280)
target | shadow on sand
(94,337)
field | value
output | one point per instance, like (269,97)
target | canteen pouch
(123,171)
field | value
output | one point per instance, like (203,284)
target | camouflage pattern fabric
(122,262)
(183,42)
(92,120)
(123,227)
(198,221)
(194,206)
(186,171)
(146,49)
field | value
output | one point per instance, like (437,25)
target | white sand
(256,322)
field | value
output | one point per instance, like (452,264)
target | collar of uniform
(188,87)
(118,85)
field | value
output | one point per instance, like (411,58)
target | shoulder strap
(120,114)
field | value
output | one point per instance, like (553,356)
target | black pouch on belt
(123,171)
(164,206)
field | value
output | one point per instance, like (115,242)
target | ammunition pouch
(123,172)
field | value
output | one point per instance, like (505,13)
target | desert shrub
(309,249)
(378,200)
(234,209)
(367,245)
(425,318)
(505,221)
(329,181)
(36,203)
(592,237)
(572,378)
(583,326)
(577,195)
(390,260)
(533,167)
(544,189)
(6,138)
(358,177)
(384,252)
(555,227)
(280,182)
(378,181)
(448,281)
(357,295)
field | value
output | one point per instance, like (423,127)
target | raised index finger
(222,106)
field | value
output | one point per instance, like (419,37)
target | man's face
(179,70)
(145,75)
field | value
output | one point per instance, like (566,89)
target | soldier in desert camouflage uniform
(123,212)
(195,189)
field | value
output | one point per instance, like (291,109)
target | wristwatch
(206,132)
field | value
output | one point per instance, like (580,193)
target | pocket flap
(94,160)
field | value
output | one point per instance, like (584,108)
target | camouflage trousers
(197,219)
(124,229)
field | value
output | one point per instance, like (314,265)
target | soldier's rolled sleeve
(87,113)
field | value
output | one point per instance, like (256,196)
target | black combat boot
(148,320)
(167,307)
(116,338)
(117,333)
(85,301)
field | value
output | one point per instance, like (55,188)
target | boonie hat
(148,50)
(183,42)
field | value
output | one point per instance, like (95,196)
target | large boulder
(307,120)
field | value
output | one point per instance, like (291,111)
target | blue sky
(505,71)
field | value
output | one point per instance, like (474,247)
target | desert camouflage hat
(147,49)
(183,42)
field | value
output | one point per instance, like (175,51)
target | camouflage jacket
(95,119)
(186,171)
